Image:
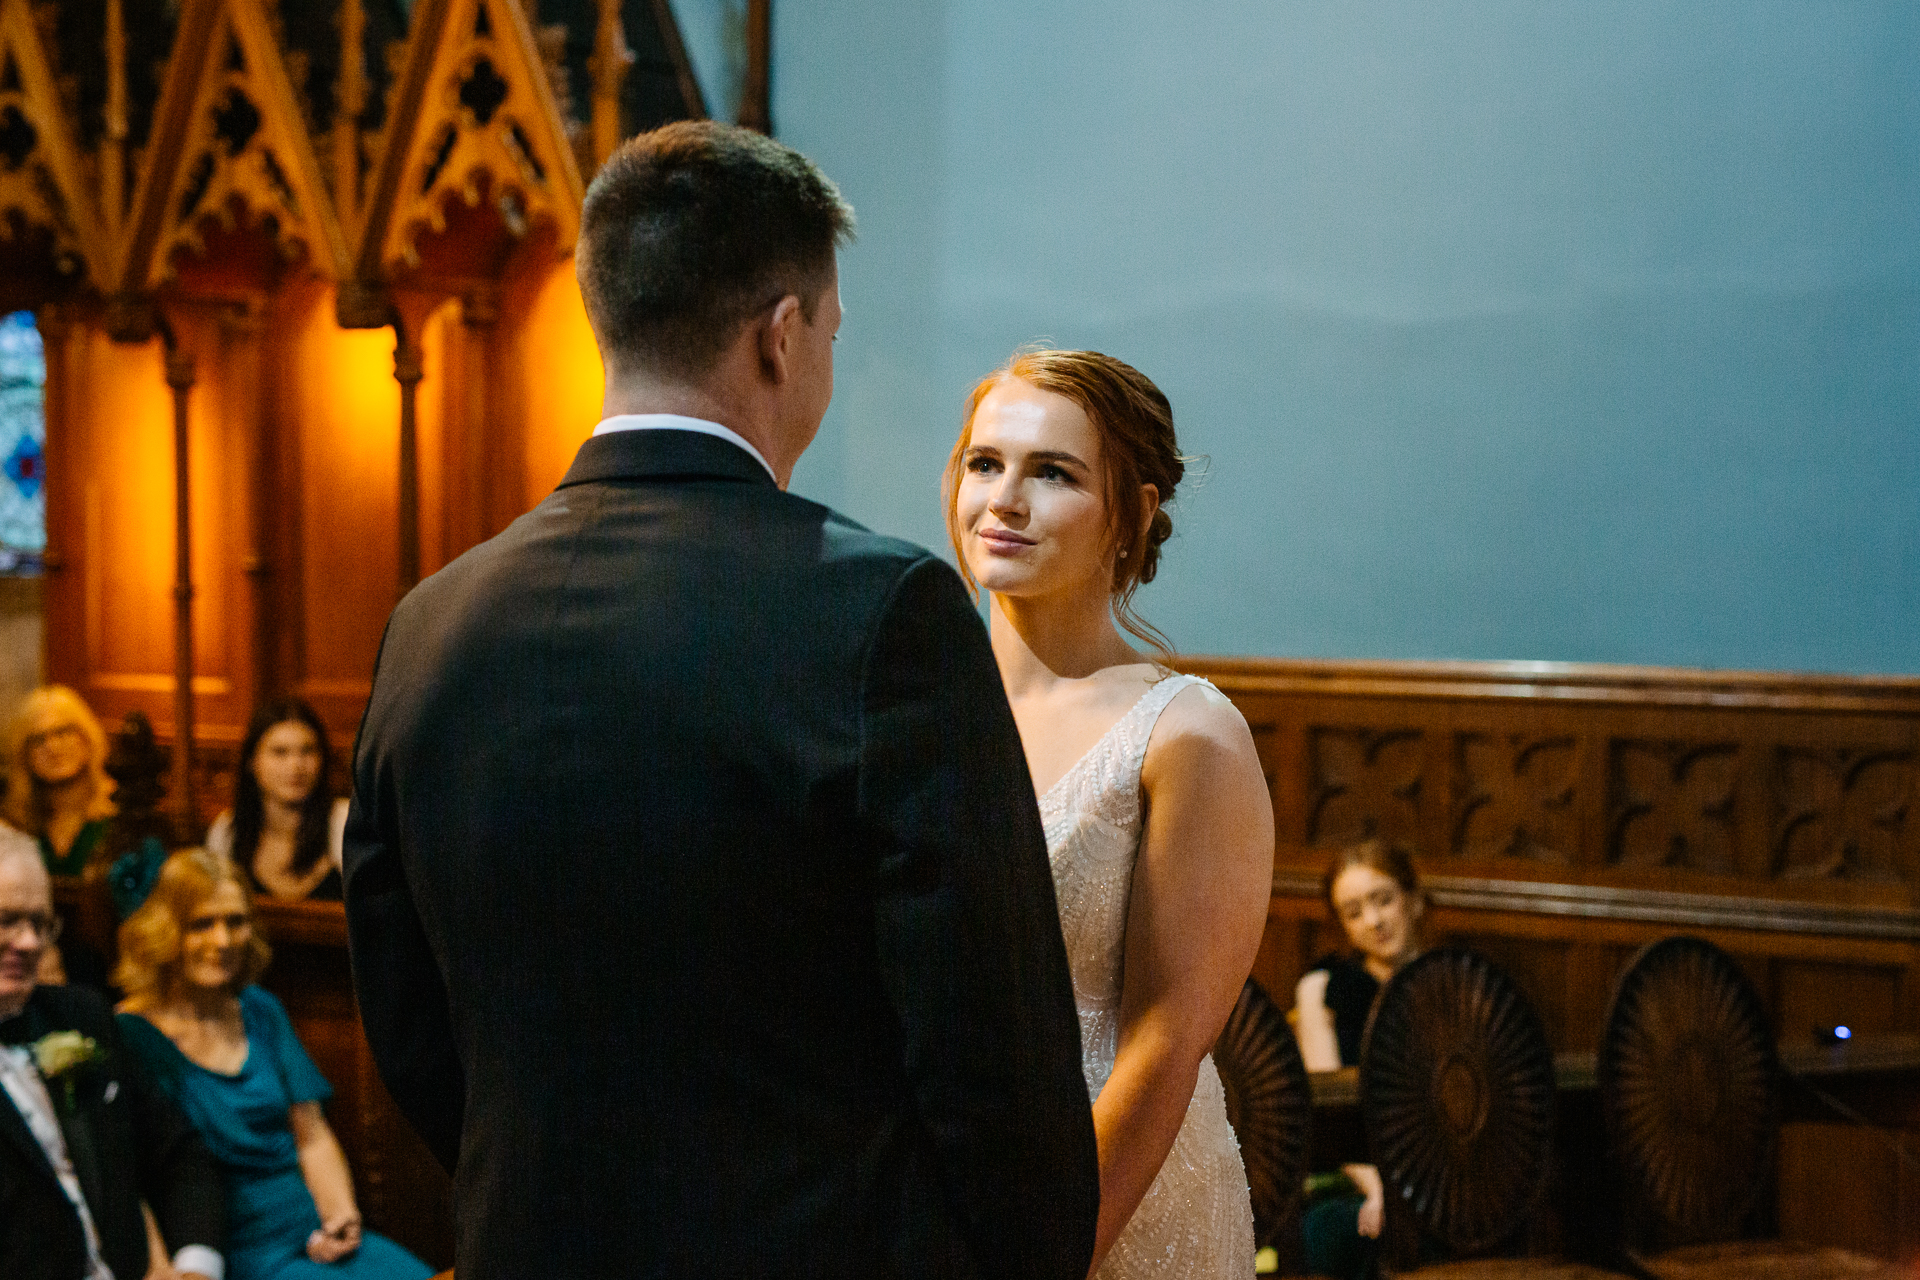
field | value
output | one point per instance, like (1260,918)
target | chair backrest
(1269,1105)
(1457,1094)
(1689,1090)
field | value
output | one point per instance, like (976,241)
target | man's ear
(779,335)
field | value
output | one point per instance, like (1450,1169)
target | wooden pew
(1564,815)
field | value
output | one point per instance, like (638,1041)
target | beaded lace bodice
(1196,1220)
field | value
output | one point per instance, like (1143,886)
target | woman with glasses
(57,785)
(225,1051)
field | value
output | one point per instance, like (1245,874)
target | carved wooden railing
(1564,814)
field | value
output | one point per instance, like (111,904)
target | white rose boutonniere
(60,1054)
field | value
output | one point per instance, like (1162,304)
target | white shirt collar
(675,422)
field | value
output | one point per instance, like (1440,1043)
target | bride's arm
(1199,903)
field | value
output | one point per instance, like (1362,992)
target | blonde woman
(58,790)
(225,1051)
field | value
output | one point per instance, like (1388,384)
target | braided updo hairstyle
(1137,446)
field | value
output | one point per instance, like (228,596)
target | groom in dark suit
(699,904)
(83,1138)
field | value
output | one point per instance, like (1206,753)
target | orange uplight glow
(348,412)
(564,378)
(126,516)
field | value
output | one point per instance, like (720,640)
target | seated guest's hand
(335,1239)
(1374,1211)
(165,1271)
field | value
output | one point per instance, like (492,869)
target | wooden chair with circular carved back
(1269,1105)
(1689,1091)
(1457,1094)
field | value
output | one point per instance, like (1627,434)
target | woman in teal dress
(225,1051)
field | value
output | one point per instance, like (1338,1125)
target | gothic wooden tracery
(214,231)
(229,141)
(50,233)
(477,155)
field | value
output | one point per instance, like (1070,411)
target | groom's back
(626,735)
(698,900)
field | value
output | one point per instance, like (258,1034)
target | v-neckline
(1101,741)
(215,1072)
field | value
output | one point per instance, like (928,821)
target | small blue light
(1843,1033)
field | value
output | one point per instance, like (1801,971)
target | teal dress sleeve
(267,1023)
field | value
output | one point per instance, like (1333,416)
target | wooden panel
(111,519)
(1568,963)
(1843,1185)
(117,542)
(560,371)
(346,434)
(1565,815)
(1810,994)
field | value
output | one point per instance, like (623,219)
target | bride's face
(1031,504)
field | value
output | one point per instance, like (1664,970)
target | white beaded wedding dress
(1197,1219)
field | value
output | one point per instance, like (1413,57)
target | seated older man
(83,1138)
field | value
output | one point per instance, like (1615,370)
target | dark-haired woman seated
(225,1051)
(1375,894)
(284,829)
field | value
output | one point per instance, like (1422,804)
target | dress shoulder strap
(1146,712)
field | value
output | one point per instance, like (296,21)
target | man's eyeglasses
(45,925)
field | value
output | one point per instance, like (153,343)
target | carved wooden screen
(1566,815)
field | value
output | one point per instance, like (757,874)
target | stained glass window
(23,438)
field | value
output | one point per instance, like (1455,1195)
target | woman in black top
(1375,894)
(284,829)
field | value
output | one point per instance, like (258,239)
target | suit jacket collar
(13,1126)
(663,454)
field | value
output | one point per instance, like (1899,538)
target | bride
(1158,824)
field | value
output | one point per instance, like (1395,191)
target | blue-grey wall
(1582,330)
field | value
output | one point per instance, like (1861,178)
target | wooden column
(180,377)
(756,96)
(407,371)
(245,435)
(352,102)
(472,436)
(113,149)
(608,66)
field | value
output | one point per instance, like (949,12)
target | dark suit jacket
(126,1141)
(698,898)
